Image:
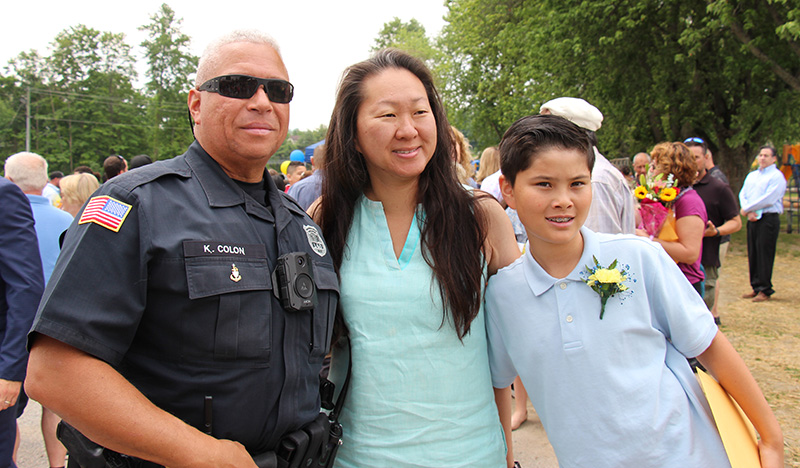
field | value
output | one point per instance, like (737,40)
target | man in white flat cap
(612,209)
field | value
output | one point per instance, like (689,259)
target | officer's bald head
(212,55)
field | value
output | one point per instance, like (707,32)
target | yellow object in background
(737,432)
(284,166)
(667,232)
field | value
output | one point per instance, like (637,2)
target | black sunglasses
(244,87)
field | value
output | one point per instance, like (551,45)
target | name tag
(223,249)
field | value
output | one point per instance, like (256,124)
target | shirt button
(569,319)
(563,285)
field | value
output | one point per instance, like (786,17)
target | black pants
(762,238)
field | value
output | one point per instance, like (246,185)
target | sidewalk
(531,448)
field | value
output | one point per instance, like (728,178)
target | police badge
(315,240)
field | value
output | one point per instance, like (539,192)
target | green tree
(409,37)
(169,66)
(657,69)
(768,29)
(489,75)
(297,139)
(89,108)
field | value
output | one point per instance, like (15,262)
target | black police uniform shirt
(179,299)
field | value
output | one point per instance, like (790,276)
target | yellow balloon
(284,166)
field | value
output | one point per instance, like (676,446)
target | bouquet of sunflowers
(656,196)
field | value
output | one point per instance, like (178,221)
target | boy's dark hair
(535,133)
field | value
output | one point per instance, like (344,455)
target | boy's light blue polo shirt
(613,392)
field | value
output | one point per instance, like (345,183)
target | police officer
(161,336)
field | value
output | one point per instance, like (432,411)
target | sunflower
(640,192)
(669,194)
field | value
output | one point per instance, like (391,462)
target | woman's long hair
(453,227)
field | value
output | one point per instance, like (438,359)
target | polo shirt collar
(706,179)
(540,281)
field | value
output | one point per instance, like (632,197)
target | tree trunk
(735,163)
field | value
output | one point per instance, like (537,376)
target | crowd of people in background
(394,199)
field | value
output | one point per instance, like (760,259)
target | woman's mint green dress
(418,396)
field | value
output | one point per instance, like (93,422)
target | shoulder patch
(105,211)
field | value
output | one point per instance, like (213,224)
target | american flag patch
(105,211)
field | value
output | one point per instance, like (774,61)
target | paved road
(530,443)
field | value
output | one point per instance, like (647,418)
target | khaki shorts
(712,273)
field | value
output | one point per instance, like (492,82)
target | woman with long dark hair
(413,250)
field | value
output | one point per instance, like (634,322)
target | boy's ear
(508,192)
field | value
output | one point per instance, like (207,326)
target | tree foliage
(297,139)
(658,70)
(170,64)
(409,37)
(84,105)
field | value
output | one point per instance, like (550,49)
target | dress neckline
(376,212)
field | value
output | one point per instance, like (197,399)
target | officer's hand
(9,392)
(230,454)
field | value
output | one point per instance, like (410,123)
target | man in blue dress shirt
(761,201)
(29,172)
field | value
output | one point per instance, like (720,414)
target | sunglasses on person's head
(694,140)
(244,87)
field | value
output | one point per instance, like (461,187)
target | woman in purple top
(690,213)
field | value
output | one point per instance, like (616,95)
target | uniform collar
(222,191)
(540,281)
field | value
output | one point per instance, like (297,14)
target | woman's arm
(687,248)
(500,248)
(731,372)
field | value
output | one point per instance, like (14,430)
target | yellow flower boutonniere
(606,281)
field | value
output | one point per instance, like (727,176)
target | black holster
(313,445)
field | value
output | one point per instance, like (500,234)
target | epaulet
(146,174)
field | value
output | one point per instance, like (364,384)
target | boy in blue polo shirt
(607,374)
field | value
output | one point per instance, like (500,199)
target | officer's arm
(99,402)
